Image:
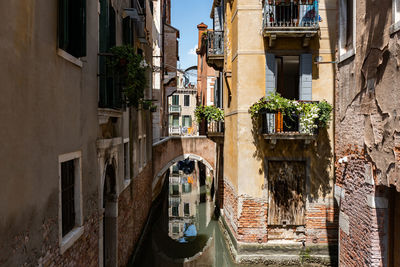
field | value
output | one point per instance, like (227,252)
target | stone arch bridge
(176,148)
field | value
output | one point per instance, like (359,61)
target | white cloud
(192,51)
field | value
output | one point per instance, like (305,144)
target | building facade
(181,106)
(277,186)
(366,134)
(78,156)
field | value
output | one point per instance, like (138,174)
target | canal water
(185,230)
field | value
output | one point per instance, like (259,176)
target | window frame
(175,99)
(395,27)
(345,53)
(186,97)
(63,23)
(65,242)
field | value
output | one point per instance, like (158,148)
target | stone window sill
(127,182)
(68,240)
(346,55)
(395,27)
(69,58)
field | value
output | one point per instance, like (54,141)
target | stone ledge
(283,254)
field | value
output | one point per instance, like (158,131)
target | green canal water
(185,230)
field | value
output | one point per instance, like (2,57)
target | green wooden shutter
(270,74)
(305,92)
(103,47)
(82,33)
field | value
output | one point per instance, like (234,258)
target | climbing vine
(132,72)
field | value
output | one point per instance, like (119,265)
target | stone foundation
(251,239)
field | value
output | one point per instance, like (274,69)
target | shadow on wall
(318,156)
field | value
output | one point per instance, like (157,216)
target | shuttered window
(72,27)
(187,121)
(175,100)
(291,76)
(68,196)
(186,100)
(305,92)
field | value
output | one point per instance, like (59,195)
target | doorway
(110,219)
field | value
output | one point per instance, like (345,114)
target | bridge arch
(173,149)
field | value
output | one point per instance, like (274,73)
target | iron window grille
(68,196)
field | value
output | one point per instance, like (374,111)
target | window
(126,160)
(290,75)
(175,209)
(395,16)
(186,100)
(127,33)
(70,197)
(175,229)
(186,209)
(175,120)
(175,100)
(72,27)
(175,189)
(186,188)
(187,121)
(347,28)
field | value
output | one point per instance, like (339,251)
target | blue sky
(186,15)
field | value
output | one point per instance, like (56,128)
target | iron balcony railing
(216,127)
(174,109)
(215,43)
(291,14)
(174,130)
(278,123)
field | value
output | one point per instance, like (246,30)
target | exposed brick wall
(84,252)
(134,204)
(230,207)
(247,218)
(363,243)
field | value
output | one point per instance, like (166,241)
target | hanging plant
(131,71)
(209,113)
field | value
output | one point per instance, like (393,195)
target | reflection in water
(186,233)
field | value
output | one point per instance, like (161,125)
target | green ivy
(129,66)
(210,113)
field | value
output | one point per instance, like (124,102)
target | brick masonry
(247,219)
(84,252)
(134,204)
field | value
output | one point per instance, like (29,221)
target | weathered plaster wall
(245,150)
(368,133)
(48,107)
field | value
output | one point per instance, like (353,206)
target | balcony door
(289,75)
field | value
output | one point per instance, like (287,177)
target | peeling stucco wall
(367,103)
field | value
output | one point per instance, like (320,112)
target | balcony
(215,49)
(290,19)
(174,130)
(279,126)
(174,109)
(215,131)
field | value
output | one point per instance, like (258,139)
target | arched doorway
(110,218)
